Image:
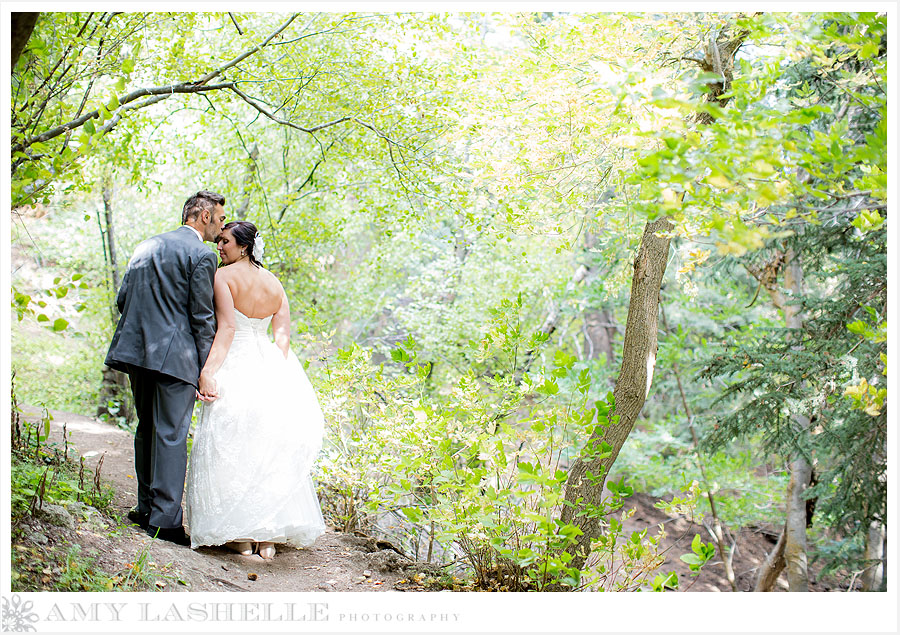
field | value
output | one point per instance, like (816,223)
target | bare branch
(236,25)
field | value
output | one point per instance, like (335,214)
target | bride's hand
(208,390)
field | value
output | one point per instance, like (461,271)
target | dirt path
(336,562)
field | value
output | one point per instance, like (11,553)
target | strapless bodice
(250,326)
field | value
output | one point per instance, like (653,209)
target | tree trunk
(114,398)
(584,487)
(795,523)
(110,233)
(586,479)
(795,545)
(801,471)
(772,567)
(599,330)
(874,574)
(21,26)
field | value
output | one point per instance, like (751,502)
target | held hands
(208,390)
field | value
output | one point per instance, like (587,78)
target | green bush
(473,474)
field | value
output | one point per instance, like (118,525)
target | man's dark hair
(202,200)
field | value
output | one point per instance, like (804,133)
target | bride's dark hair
(244,233)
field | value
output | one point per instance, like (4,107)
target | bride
(260,427)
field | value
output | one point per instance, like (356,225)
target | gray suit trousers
(164,406)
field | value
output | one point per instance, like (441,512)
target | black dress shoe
(171,534)
(141,519)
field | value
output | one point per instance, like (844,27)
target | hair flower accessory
(259,247)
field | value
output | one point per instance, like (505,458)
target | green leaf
(858,327)
(719,181)
(562,359)
(868,50)
(548,388)
(60,324)
(695,544)
(692,559)
(665,581)
(414,514)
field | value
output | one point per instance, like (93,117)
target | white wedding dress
(249,475)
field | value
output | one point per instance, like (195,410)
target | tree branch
(63,57)
(165,91)
(283,122)
(246,54)
(236,25)
(307,180)
(199,85)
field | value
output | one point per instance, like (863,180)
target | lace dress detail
(254,446)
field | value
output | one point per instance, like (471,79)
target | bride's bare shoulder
(271,278)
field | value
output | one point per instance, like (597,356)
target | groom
(162,340)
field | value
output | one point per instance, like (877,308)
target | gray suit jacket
(168,318)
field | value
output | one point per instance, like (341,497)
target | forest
(540,266)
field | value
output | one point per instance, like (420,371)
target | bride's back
(256,292)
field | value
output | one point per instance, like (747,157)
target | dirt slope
(337,561)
